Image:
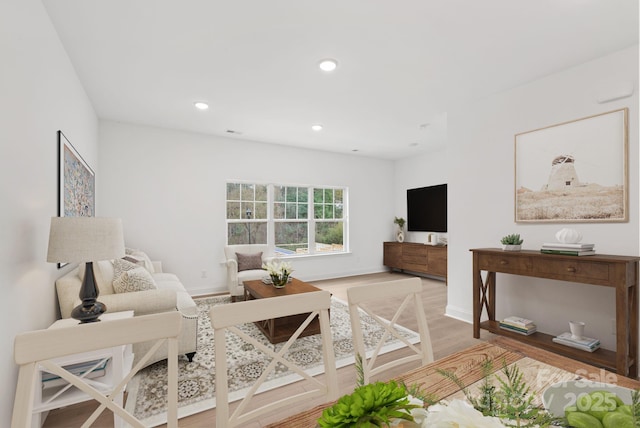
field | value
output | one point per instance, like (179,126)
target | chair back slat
(409,291)
(224,320)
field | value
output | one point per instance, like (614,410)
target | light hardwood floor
(448,335)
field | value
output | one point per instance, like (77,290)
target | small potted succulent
(511,242)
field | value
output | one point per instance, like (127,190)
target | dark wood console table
(619,272)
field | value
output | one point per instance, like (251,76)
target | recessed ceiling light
(200,105)
(316,127)
(328,64)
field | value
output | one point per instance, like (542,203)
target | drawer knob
(504,262)
(571,269)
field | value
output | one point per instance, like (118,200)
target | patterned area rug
(196,393)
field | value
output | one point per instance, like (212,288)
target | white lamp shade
(85,239)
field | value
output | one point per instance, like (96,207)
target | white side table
(119,360)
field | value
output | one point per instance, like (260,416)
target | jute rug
(196,392)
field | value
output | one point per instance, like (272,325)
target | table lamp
(86,240)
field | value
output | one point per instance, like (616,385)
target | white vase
(568,236)
(400,235)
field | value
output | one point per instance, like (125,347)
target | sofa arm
(141,302)
(232,273)
(157,266)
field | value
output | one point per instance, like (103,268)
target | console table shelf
(619,272)
(600,358)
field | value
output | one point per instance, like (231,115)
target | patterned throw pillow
(249,261)
(138,279)
(120,266)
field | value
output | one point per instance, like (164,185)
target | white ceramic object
(577,329)
(568,236)
(506,247)
(560,395)
(400,235)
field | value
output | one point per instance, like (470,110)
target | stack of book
(568,249)
(96,368)
(585,343)
(518,325)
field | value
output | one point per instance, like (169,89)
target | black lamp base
(90,309)
(89,313)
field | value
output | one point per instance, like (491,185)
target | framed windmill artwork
(574,171)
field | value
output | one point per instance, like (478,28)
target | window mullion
(311,223)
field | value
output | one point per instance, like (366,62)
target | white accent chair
(226,317)
(410,289)
(235,278)
(40,348)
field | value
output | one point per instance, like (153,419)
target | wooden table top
(260,290)
(540,369)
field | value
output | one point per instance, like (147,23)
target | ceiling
(401,64)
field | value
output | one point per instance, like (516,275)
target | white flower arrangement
(278,268)
(457,413)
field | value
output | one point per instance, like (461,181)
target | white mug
(432,239)
(577,329)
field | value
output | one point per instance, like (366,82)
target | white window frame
(311,220)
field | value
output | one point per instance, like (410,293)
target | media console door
(619,272)
(414,257)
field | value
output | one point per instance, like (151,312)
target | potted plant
(400,233)
(511,242)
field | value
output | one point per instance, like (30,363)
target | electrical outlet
(613,326)
(204,274)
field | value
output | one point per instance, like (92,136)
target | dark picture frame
(574,172)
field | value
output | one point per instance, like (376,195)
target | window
(293,219)
(246,213)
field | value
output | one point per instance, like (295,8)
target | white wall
(481,194)
(169,188)
(40,94)
(428,169)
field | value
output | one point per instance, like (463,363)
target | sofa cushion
(249,261)
(140,257)
(138,279)
(248,275)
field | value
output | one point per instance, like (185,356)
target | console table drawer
(505,263)
(570,270)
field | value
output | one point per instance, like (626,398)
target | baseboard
(459,314)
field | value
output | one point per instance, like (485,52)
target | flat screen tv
(427,209)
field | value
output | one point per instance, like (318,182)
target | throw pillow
(138,279)
(120,266)
(249,261)
(140,256)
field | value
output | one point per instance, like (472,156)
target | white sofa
(170,295)
(235,277)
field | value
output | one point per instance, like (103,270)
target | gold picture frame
(574,172)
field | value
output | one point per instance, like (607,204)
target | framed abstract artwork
(574,171)
(76,182)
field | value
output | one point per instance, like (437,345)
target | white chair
(409,289)
(235,277)
(38,350)
(226,317)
